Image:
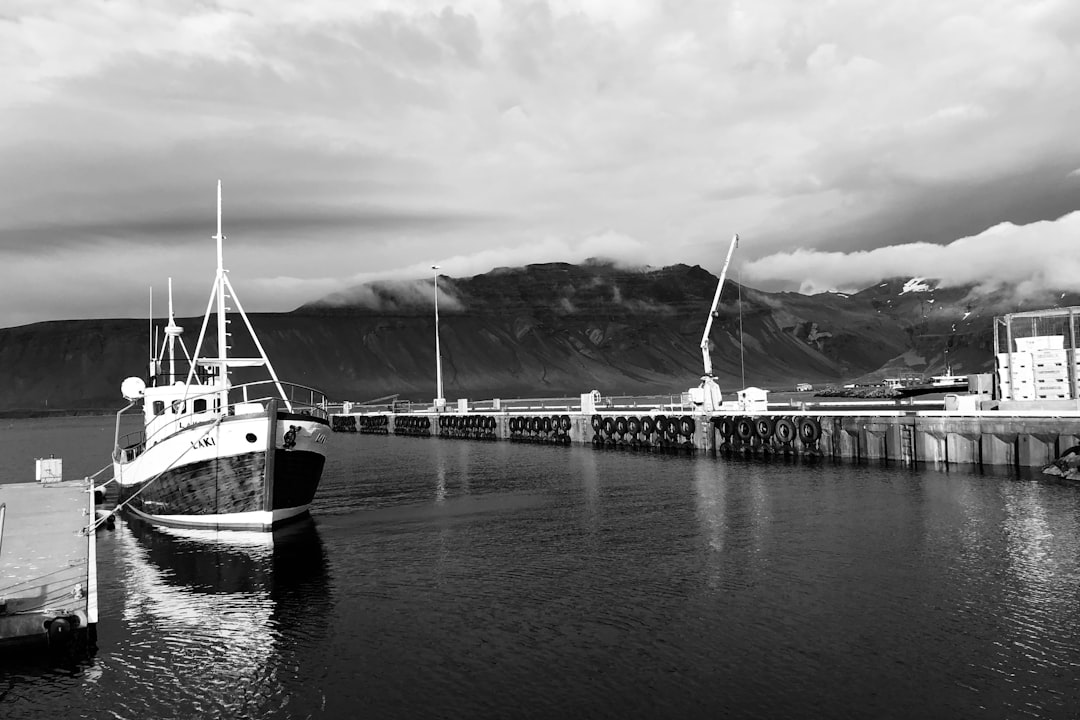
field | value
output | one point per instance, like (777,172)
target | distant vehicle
(804,387)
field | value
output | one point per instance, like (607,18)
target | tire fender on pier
(726,427)
(785,430)
(744,429)
(686,426)
(809,430)
(764,427)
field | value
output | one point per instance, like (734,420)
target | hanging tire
(648,426)
(744,429)
(564,423)
(686,426)
(763,427)
(620,425)
(785,430)
(609,426)
(726,427)
(633,425)
(596,422)
(661,424)
(809,430)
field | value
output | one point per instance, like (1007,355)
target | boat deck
(48,562)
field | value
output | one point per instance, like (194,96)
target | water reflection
(591,485)
(710,488)
(207,613)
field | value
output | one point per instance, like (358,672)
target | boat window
(199,405)
(159,407)
(178,406)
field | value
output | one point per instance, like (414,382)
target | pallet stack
(1018,384)
(1040,369)
(1051,370)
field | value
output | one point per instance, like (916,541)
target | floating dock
(48,563)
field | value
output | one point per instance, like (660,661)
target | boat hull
(250,472)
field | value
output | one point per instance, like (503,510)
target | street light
(440,401)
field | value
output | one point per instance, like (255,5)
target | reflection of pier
(210,605)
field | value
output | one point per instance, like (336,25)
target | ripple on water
(455,579)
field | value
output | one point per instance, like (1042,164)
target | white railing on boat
(302,400)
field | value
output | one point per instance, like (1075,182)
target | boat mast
(172,331)
(223,347)
(150,339)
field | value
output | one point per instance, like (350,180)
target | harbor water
(456,579)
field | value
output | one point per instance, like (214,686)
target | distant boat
(213,454)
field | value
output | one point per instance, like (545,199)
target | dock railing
(630,403)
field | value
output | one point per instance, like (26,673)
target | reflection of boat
(209,605)
(213,454)
(207,561)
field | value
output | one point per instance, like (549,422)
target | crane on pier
(707,395)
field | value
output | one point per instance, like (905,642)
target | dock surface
(48,563)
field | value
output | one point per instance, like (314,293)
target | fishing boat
(214,452)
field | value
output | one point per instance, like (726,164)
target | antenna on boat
(172,332)
(223,347)
(150,339)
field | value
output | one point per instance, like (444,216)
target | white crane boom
(712,312)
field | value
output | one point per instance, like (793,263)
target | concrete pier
(48,563)
(982,438)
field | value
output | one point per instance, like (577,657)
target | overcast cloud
(843,141)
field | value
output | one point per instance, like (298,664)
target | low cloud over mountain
(552,329)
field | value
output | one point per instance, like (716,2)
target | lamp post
(440,401)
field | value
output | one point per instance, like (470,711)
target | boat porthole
(251,437)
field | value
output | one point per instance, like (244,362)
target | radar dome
(132,388)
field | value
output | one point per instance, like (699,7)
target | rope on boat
(91,477)
(94,526)
(104,518)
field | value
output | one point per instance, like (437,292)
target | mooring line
(98,523)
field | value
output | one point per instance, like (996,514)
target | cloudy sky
(843,140)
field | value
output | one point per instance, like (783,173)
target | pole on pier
(440,401)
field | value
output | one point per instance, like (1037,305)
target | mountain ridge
(551,329)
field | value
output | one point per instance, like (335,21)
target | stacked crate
(1072,363)
(1051,370)
(1020,383)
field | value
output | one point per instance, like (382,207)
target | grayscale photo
(530,359)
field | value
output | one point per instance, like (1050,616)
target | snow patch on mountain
(916,285)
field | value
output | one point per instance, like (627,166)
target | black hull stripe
(233,484)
